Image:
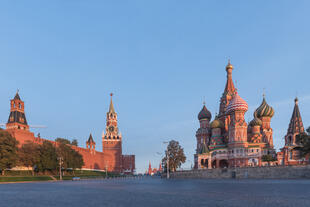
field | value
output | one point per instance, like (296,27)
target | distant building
(153,171)
(111,157)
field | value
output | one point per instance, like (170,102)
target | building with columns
(111,157)
(228,140)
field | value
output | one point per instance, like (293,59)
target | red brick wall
(111,158)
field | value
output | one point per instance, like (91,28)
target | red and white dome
(237,104)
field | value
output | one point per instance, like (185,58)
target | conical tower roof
(17,97)
(90,139)
(296,125)
(111,109)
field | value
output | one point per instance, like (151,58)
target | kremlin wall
(111,157)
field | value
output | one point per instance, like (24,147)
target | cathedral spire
(229,88)
(296,125)
(111,109)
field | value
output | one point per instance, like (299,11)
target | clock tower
(112,142)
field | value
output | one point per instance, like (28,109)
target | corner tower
(17,118)
(112,141)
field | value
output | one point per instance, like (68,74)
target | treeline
(44,158)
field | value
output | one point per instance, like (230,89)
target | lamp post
(167,160)
(60,166)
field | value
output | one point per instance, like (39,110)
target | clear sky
(161,59)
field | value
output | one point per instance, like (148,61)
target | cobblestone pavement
(158,192)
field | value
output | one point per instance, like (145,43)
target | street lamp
(60,159)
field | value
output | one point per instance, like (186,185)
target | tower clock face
(111,128)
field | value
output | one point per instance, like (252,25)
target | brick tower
(112,142)
(17,124)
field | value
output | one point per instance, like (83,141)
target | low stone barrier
(271,172)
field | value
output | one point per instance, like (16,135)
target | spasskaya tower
(112,142)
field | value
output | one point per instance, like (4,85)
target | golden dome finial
(229,65)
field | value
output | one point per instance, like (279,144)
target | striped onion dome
(204,113)
(256,121)
(264,110)
(237,104)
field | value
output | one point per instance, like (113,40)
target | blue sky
(161,59)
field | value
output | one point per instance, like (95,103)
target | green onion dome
(216,123)
(204,113)
(264,110)
(256,122)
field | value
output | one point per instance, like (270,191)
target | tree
(29,155)
(48,157)
(71,158)
(74,142)
(8,151)
(304,143)
(62,140)
(176,156)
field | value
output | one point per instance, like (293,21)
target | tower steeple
(229,90)
(295,127)
(111,109)
(17,118)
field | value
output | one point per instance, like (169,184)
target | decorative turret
(17,118)
(204,113)
(295,127)
(264,110)
(216,123)
(216,139)
(238,127)
(91,144)
(256,121)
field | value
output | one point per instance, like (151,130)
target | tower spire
(111,109)
(296,125)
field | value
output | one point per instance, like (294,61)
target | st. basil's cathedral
(229,141)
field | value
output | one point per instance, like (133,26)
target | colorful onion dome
(216,123)
(237,104)
(264,110)
(256,121)
(204,113)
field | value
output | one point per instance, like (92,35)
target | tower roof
(229,88)
(204,148)
(90,139)
(17,97)
(111,109)
(204,113)
(264,110)
(296,125)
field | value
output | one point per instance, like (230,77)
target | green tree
(29,155)
(48,157)
(74,142)
(62,140)
(304,143)
(71,158)
(176,156)
(8,151)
